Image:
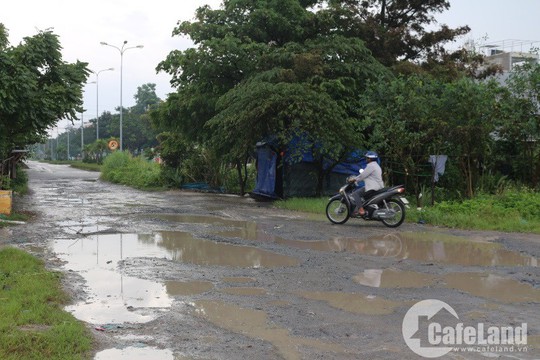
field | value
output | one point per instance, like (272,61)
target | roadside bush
(171,177)
(18,185)
(511,210)
(123,168)
(229,178)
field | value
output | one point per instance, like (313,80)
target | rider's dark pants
(360,196)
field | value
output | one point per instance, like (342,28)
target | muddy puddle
(254,324)
(204,220)
(183,247)
(418,246)
(112,297)
(425,247)
(493,287)
(116,298)
(353,302)
(188,288)
(484,285)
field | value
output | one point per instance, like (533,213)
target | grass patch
(511,211)
(33,324)
(13,217)
(76,164)
(86,166)
(310,205)
(123,168)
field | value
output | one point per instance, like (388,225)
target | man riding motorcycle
(372,177)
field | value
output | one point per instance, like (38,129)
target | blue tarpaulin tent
(278,176)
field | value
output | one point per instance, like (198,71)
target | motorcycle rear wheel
(337,212)
(399,209)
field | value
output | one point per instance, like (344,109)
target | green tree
(414,117)
(145,98)
(406,125)
(37,89)
(396,31)
(95,151)
(519,128)
(261,69)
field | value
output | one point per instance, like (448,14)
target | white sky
(81,27)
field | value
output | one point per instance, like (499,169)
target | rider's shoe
(359,214)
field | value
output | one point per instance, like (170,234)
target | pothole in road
(178,288)
(418,246)
(488,286)
(353,302)
(185,248)
(203,219)
(116,298)
(491,286)
(254,324)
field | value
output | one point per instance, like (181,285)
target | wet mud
(186,275)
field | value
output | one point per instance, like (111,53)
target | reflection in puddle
(254,324)
(419,246)
(250,233)
(426,246)
(87,226)
(245,291)
(177,288)
(433,247)
(118,298)
(204,219)
(114,298)
(484,285)
(134,353)
(493,287)
(355,303)
(185,248)
(391,278)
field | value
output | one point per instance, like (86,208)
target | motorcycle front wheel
(337,212)
(399,213)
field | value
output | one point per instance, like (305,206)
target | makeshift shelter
(281,176)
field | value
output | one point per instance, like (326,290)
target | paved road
(185,275)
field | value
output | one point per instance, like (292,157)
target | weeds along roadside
(34,324)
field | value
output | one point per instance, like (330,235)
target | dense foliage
(329,71)
(37,89)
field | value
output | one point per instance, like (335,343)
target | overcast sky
(81,27)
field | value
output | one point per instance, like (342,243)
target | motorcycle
(385,205)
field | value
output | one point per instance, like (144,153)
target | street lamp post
(68,131)
(97,100)
(121,50)
(82,132)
